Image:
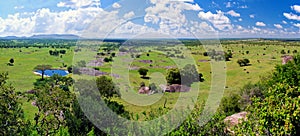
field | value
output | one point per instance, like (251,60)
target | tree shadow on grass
(146,78)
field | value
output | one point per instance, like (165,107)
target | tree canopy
(143,71)
(11,112)
(42,68)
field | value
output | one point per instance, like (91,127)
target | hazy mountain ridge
(44,36)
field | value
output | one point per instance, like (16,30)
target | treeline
(43,43)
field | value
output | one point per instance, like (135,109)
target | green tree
(107,87)
(42,68)
(173,76)
(189,74)
(12,61)
(143,71)
(113,54)
(228,56)
(52,103)
(243,62)
(11,112)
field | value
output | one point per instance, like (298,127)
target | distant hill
(12,37)
(45,36)
(55,36)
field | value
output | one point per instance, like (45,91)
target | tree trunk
(43,72)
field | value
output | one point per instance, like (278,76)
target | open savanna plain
(263,56)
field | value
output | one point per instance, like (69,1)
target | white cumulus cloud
(252,16)
(233,13)
(260,24)
(278,26)
(296,8)
(78,3)
(284,22)
(219,20)
(297,25)
(291,16)
(116,5)
(129,15)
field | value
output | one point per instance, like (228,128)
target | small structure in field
(286,58)
(177,88)
(144,90)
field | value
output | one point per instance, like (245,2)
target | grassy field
(262,58)
(21,74)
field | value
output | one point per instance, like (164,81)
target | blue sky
(133,18)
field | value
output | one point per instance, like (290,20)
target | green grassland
(21,75)
(263,58)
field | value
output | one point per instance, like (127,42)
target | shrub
(243,62)
(143,71)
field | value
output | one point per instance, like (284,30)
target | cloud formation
(171,17)
(233,13)
(75,4)
(219,20)
(278,26)
(260,24)
(116,5)
(296,8)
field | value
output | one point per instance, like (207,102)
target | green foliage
(91,133)
(81,63)
(228,56)
(107,87)
(70,69)
(278,111)
(63,132)
(191,126)
(11,112)
(106,59)
(185,76)
(189,74)
(113,54)
(201,79)
(243,62)
(173,76)
(230,105)
(42,68)
(249,91)
(143,71)
(12,61)
(51,102)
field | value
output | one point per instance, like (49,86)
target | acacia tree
(42,68)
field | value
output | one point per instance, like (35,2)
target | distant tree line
(42,43)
